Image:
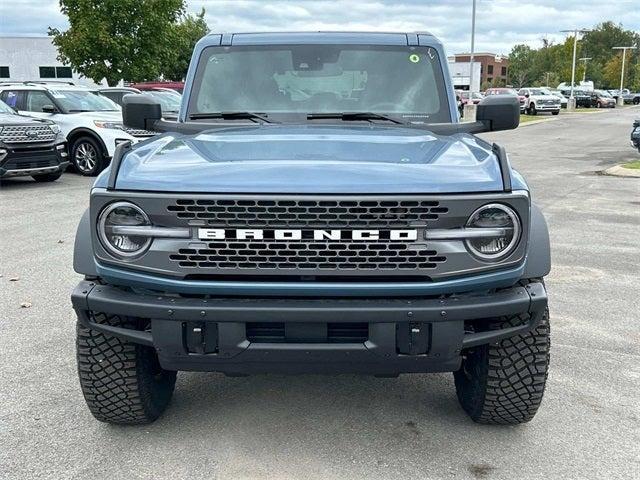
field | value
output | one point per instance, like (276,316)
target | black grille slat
(308,213)
(275,332)
(26,134)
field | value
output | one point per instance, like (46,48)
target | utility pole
(584,73)
(473,41)
(575,31)
(624,54)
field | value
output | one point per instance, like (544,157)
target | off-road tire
(122,382)
(504,383)
(47,177)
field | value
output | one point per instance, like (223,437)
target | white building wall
(460,75)
(24,56)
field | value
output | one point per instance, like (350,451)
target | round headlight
(112,229)
(502,227)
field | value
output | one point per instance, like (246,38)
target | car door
(34,103)
(13,98)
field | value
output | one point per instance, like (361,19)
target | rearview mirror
(140,112)
(49,109)
(499,112)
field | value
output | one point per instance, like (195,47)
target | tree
(521,60)
(613,70)
(186,33)
(116,39)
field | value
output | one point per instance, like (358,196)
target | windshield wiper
(231,116)
(354,116)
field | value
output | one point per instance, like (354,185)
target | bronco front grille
(26,134)
(309,255)
(308,213)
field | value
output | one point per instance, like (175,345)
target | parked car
(91,123)
(507,91)
(582,97)
(169,99)
(602,99)
(465,97)
(563,100)
(173,86)
(305,214)
(635,135)
(538,100)
(30,147)
(633,98)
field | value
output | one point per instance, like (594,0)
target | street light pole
(584,73)
(572,101)
(473,41)
(624,54)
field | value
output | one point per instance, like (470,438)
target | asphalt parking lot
(351,427)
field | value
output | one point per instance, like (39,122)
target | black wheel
(47,177)
(122,382)
(555,112)
(532,109)
(87,156)
(636,101)
(504,383)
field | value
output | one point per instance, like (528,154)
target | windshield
(537,91)
(4,108)
(169,102)
(604,93)
(279,79)
(504,91)
(83,101)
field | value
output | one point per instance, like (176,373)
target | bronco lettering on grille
(317,235)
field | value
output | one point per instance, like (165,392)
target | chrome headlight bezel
(104,237)
(513,243)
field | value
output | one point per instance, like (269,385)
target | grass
(635,165)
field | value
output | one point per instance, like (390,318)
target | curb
(537,122)
(620,171)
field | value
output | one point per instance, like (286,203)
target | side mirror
(526,95)
(140,112)
(499,112)
(49,109)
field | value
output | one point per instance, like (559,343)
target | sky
(500,24)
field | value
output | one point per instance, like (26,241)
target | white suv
(91,123)
(539,100)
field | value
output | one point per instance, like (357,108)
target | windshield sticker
(414,58)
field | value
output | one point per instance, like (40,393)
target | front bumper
(394,335)
(25,160)
(548,108)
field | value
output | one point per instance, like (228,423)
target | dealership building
(34,59)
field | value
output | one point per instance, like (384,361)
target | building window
(4,72)
(55,72)
(490,70)
(63,72)
(490,79)
(503,72)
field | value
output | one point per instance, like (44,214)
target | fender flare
(87,132)
(538,262)
(83,261)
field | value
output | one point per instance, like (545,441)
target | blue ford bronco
(316,208)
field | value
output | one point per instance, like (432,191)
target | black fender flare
(83,261)
(86,132)
(538,262)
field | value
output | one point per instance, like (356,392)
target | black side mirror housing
(140,112)
(499,112)
(49,109)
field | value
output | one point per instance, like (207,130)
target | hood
(15,119)
(108,116)
(310,159)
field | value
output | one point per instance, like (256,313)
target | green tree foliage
(553,61)
(186,33)
(118,39)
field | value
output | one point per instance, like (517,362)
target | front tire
(504,383)
(555,112)
(532,109)
(122,382)
(87,157)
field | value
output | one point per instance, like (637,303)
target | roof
(320,37)
(44,86)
